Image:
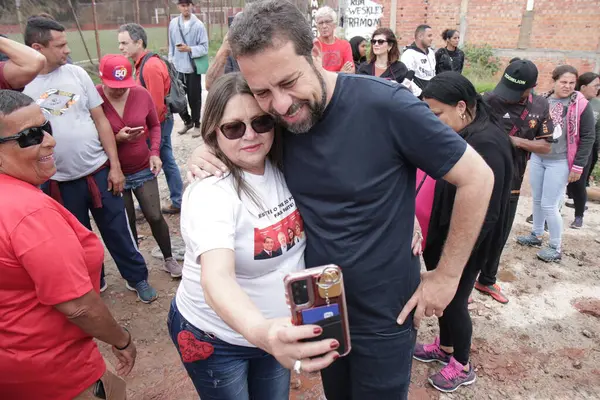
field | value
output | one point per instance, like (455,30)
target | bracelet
(128,342)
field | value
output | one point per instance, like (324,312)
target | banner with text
(362,17)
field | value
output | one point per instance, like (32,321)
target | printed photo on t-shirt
(56,101)
(279,238)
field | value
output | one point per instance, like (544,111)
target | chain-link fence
(92,25)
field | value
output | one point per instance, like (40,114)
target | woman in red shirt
(50,307)
(132,115)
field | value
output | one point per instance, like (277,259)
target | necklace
(381,66)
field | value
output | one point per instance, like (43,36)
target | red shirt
(139,111)
(46,258)
(157,80)
(335,55)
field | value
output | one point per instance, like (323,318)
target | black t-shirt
(536,126)
(353,179)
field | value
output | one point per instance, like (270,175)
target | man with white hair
(336,54)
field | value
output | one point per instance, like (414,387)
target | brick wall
(558,32)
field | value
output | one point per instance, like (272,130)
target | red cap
(116,72)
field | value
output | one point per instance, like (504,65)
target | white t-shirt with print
(214,217)
(68,94)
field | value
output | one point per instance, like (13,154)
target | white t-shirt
(68,94)
(214,217)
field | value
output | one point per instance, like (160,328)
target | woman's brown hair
(564,69)
(394,53)
(221,92)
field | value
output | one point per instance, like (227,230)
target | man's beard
(316,109)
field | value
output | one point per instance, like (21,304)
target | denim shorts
(137,180)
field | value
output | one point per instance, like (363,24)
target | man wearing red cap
(132,43)
(89,175)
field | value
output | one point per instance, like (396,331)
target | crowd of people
(311,146)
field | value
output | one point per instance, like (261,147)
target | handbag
(199,64)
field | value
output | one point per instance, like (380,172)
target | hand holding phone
(316,296)
(135,131)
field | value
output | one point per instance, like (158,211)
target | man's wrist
(124,343)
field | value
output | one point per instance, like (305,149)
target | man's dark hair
(264,21)
(11,101)
(136,32)
(564,69)
(38,30)
(420,29)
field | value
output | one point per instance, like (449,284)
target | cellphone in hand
(316,296)
(135,130)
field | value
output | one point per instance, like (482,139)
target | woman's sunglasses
(30,136)
(237,129)
(379,41)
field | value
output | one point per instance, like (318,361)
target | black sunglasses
(235,130)
(30,136)
(379,41)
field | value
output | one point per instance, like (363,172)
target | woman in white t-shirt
(229,319)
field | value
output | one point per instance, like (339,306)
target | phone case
(325,296)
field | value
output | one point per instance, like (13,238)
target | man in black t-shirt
(352,145)
(525,117)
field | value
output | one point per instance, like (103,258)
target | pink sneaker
(431,352)
(452,376)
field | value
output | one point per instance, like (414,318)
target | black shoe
(197,125)
(572,205)
(186,128)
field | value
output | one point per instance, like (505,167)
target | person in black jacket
(384,57)
(456,102)
(449,58)
(359,50)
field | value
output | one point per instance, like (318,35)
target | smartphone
(135,130)
(179,45)
(316,296)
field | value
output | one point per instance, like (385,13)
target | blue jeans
(378,366)
(170,167)
(231,372)
(548,179)
(111,220)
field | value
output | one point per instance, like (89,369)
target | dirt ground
(544,344)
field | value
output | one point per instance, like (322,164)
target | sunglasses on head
(30,136)
(235,130)
(378,41)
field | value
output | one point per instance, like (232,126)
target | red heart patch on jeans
(193,349)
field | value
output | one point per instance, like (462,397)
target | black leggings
(149,199)
(456,328)
(489,270)
(578,190)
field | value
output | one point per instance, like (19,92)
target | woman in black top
(384,57)
(455,101)
(449,58)
(359,50)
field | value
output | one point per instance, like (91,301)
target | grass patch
(596,174)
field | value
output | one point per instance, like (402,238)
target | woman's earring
(463,116)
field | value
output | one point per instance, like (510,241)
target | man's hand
(347,68)
(116,181)
(417,240)
(574,176)
(203,163)
(515,141)
(184,48)
(155,165)
(126,359)
(431,297)
(125,136)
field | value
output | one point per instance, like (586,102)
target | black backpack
(176,100)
